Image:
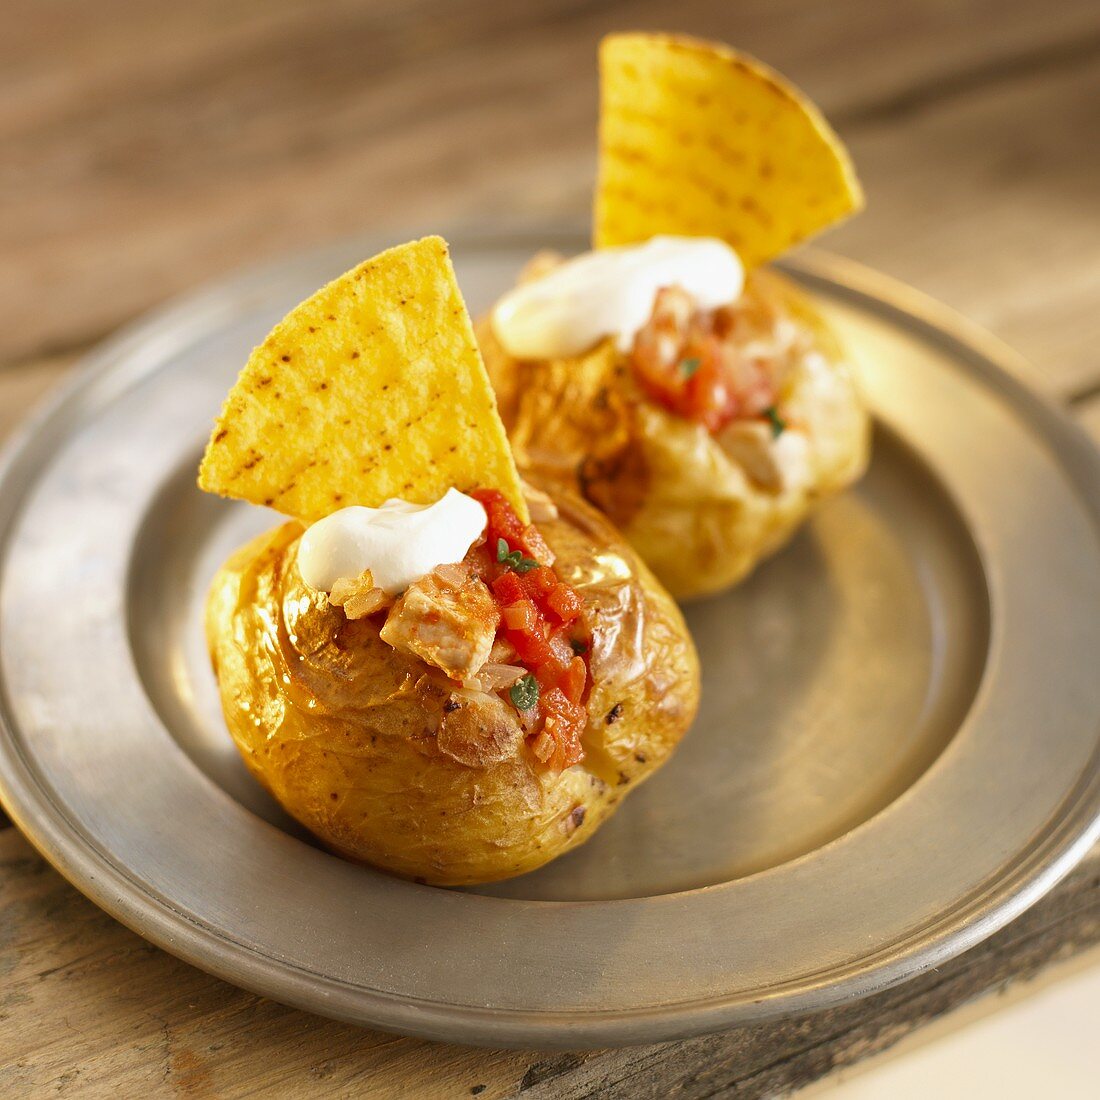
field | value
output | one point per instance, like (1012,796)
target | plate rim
(60,841)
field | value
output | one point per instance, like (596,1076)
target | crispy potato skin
(366,747)
(696,515)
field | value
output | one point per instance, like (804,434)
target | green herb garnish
(777,422)
(524,693)
(514,559)
(689,366)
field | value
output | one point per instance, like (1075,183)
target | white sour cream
(398,542)
(610,292)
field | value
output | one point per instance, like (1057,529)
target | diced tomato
(548,674)
(540,581)
(538,615)
(663,383)
(708,396)
(522,615)
(555,702)
(565,722)
(505,524)
(551,672)
(532,648)
(503,521)
(534,545)
(563,602)
(508,588)
(573,681)
(479,563)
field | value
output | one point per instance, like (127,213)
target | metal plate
(899,746)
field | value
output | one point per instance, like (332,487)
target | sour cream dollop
(610,292)
(398,542)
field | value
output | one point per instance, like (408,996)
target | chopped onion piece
(502,652)
(453,573)
(358,596)
(496,677)
(543,746)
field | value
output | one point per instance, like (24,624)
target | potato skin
(695,514)
(366,747)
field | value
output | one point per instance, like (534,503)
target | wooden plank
(986,204)
(148,146)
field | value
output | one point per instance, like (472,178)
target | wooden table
(148,146)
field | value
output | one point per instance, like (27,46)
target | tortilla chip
(373,388)
(699,140)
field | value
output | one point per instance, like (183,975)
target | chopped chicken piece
(448,620)
(777,464)
(359,596)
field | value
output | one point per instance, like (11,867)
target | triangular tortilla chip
(699,140)
(373,388)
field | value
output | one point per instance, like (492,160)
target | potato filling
(714,366)
(500,621)
(542,619)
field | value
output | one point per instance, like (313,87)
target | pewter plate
(897,750)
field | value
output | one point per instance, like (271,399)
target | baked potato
(389,761)
(701,502)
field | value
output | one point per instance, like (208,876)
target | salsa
(540,617)
(693,363)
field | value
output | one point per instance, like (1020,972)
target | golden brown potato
(700,509)
(389,762)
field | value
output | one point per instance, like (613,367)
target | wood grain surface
(146,147)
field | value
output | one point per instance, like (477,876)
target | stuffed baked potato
(701,497)
(695,397)
(390,761)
